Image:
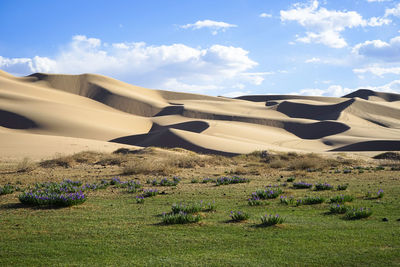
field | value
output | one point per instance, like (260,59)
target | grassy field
(110,228)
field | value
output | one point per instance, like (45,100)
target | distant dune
(44,114)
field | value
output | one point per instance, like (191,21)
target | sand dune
(43,113)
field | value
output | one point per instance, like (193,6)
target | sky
(213,47)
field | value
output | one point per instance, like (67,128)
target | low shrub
(6,189)
(208,180)
(233,180)
(290,179)
(149,192)
(311,200)
(139,199)
(193,207)
(378,195)
(302,185)
(94,186)
(238,216)
(268,193)
(287,200)
(66,186)
(342,187)
(323,186)
(180,218)
(25,165)
(341,199)
(133,186)
(46,198)
(165,182)
(346,171)
(338,209)
(115,181)
(254,201)
(358,213)
(270,219)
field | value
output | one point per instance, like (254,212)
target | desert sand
(44,114)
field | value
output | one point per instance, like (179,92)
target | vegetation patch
(341,199)
(323,186)
(149,192)
(233,180)
(342,187)
(302,185)
(193,207)
(180,218)
(238,216)
(6,189)
(338,209)
(267,193)
(377,195)
(271,219)
(165,181)
(358,213)
(310,200)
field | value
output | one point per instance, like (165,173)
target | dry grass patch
(85,157)
(25,165)
(155,167)
(294,161)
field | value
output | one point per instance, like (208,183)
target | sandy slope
(42,114)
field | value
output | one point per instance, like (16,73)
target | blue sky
(230,48)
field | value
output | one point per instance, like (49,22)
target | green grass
(111,229)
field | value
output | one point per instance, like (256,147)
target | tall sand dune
(43,113)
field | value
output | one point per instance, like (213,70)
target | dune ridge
(106,111)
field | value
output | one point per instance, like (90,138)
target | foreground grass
(111,229)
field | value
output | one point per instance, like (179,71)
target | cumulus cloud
(214,26)
(176,67)
(391,87)
(325,26)
(393,11)
(338,90)
(236,93)
(333,90)
(380,49)
(378,71)
(21,66)
(265,15)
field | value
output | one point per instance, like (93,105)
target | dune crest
(65,108)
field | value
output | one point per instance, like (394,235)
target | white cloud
(21,66)
(380,49)
(338,90)
(313,60)
(214,26)
(265,15)
(378,71)
(378,1)
(391,87)
(236,93)
(333,90)
(377,21)
(324,26)
(177,67)
(393,11)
